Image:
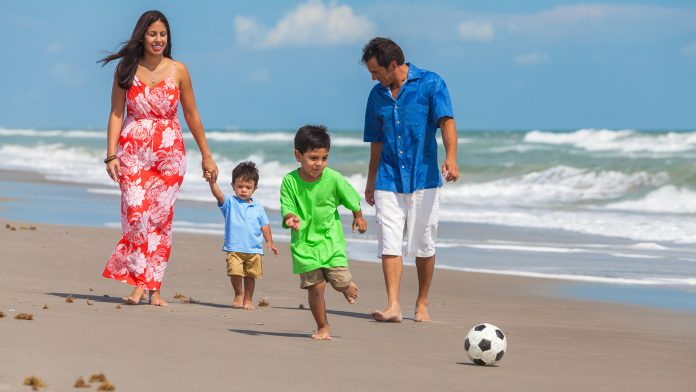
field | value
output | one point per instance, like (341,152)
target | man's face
(385,76)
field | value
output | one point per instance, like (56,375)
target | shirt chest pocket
(416,115)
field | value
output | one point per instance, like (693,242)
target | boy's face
(312,162)
(243,188)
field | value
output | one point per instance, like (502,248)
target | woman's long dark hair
(132,50)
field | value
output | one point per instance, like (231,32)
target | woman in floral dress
(145,152)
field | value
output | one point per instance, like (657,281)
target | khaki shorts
(248,265)
(338,277)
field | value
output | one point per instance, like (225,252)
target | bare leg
(249,284)
(350,292)
(134,297)
(315,296)
(237,285)
(425,267)
(392,267)
(156,299)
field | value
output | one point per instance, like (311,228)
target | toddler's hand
(360,224)
(273,248)
(293,222)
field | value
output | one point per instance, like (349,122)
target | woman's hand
(209,167)
(113,169)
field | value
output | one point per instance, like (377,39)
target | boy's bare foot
(156,300)
(388,315)
(237,303)
(351,293)
(249,306)
(322,334)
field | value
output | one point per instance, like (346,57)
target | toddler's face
(313,162)
(243,188)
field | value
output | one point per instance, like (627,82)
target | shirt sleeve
(348,196)
(441,104)
(263,218)
(287,200)
(225,207)
(373,123)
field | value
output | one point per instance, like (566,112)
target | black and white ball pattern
(485,344)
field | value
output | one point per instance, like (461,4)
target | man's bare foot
(156,300)
(351,293)
(322,334)
(388,315)
(422,315)
(237,303)
(249,306)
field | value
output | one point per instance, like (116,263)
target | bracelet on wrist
(110,158)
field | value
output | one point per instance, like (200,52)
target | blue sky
(280,64)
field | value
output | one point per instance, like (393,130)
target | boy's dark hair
(246,171)
(311,137)
(384,51)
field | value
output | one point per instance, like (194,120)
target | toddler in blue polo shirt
(245,225)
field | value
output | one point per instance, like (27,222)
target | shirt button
(403,167)
(398,137)
(401,152)
(398,122)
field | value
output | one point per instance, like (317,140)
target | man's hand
(450,170)
(370,194)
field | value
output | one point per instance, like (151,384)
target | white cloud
(531,58)
(689,50)
(476,31)
(310,24)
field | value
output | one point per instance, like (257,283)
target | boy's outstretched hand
(360,224)
(292,221)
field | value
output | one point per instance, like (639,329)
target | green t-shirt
(319,243)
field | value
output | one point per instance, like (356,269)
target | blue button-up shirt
(243,223)
(406,127)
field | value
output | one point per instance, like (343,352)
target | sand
(555,344)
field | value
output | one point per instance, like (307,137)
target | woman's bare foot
(351,293)
(322,334)
(422,315)
(134,297)
(249,306)
(156,299)
(388,315)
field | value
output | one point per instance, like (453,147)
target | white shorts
(411,215)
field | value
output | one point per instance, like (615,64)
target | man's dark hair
(311,137)
(384,51)
(246,171)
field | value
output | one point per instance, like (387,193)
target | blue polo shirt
(243,223)
(406,126)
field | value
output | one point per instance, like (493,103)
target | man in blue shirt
(401,119)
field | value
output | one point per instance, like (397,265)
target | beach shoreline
(554,343)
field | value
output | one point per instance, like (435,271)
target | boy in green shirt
(309,197)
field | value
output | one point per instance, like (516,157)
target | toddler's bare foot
(422,315)
(388,315)
(249,306)
(156,300)
(322,334)
(237,303)
(351,293)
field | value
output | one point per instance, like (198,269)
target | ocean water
(597,205)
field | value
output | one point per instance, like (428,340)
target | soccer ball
(485,344)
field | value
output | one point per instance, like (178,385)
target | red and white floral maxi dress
(153,162)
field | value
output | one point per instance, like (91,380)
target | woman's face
(155,39)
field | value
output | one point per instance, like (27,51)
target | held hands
(293,222)
(208,176)
(360,224)
(450,170)
(210,170)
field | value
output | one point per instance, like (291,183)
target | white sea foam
(668,199)
(623,141)
(57,133)
(559,184)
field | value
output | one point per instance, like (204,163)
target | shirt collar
(242,201)
(414,73)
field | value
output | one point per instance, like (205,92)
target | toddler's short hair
(246,171)
(311,137)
